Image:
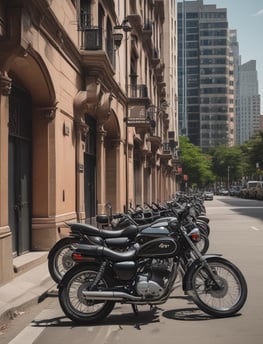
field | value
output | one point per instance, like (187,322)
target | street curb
(27,290)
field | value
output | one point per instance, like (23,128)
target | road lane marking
(28,335)
(254,228)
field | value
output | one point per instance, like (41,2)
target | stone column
(81,130)
(141,178)
(98,103)
(101,169)
(6,260)
(119,180)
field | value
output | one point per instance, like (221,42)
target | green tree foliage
(228,163)
(223,164)
(195,164)
(253,155)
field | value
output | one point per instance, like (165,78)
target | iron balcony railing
(138,91)
(90,38)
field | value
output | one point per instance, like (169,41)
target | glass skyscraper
(205,75)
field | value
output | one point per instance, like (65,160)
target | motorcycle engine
(152,284)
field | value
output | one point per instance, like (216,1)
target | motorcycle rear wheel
(226,300)
(72,301)
(59,258)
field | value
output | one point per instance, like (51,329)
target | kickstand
(136,312)
(135,309)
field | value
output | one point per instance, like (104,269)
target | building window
(109,42)
(85,14)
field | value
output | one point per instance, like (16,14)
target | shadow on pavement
(125,319)
(251,208)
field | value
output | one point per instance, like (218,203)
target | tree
(252,151)
(195,164)
(228,164)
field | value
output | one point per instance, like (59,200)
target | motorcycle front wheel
(72,301)
(59,258)
(222,295)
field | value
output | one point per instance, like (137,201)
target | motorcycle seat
(89,230)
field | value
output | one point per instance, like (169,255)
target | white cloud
(259,12)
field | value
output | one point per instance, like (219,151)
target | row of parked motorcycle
(136,257)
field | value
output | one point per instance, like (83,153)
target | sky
(246,16)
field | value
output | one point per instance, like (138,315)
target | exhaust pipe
(109,295)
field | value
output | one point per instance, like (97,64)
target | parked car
(255,189)
(259,190)
(235,191)
(243,192)
(223,192)
(208,195)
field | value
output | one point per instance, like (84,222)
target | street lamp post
(228,168)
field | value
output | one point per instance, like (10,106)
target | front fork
(196,264)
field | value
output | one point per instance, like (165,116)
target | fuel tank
(159,248)
(151,233)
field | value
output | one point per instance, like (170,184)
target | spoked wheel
(74,304)
(59,258)
(203,244)
(223,295)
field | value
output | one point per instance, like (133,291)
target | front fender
(187,280)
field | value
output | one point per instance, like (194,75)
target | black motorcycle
(120,237)
(146,274)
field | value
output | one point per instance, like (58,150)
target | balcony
(138,92)
(99,62)
(166,148)
(166,153)
(135,20)
(176,160)
(90,38)
(147,31)
(155,58)
(139,101)
(139,118)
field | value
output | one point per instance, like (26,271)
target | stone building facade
(85,117)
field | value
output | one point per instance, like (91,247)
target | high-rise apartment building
(247,99)
(205,75)
(248,108)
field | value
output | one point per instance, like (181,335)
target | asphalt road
(236,232)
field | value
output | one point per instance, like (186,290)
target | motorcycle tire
(72,301)
(59,258)
(219,302)
(203,244)
(204,227)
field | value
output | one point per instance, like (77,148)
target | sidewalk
(31,284)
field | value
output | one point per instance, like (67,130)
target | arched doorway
(31,172)
(20,169)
